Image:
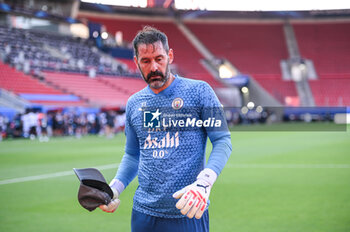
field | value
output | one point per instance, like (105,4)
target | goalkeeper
(167,155)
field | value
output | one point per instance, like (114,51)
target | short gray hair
(150,35)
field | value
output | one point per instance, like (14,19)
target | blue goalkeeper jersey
(166,137)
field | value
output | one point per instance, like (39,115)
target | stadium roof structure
(205,14)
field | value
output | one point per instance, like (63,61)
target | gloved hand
(194,197)
(114,204)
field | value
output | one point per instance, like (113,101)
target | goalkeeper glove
(117,187)
(194,198)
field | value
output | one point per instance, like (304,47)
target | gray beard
(166,78)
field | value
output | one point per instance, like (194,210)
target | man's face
(153,62)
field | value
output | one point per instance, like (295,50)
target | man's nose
(154,66)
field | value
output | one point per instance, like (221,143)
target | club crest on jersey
(177,103)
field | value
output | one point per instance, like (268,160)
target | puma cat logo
(205,187)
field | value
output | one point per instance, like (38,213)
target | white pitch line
(306,166)
(51,175)
(110,166)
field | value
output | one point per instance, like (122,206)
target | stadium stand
(54,52)
(102,92)
(327,45)
(50,10)
(34,90)
(65,63)
(130,64)
(278,88)
(124,84)
(187,65)
(255,49)
(331,92)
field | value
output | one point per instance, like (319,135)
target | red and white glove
(194,197)
(114,204)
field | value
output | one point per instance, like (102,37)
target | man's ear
(171,55)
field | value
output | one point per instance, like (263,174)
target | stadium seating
(124,84)
(278,88)
(187,58)
(327,45)
(54,52)
(34,90)
(331,92)
(58,65)
(98,91)
(255,49)
(130,63)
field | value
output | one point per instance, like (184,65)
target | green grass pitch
(273,182)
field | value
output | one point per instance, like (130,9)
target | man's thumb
(179,193)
